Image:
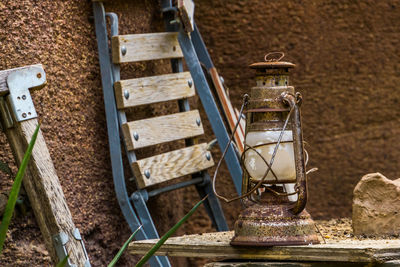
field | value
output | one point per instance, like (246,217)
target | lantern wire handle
(259,184)
(268,59)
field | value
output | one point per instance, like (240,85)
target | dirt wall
(347,56)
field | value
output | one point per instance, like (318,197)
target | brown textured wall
(60,35)
(347,55)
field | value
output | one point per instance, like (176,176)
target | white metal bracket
(60,243)
(19,82)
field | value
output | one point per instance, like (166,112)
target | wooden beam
(170,165)
(4,74)
(228,110)
(216,245)
(44,190)
(41,182)
(186,12)
(162,129)
(153,89)
(147,46)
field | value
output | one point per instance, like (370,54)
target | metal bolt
(23,97)
(198,121)
(135,196)
(222,79)
(126,94)
(76,234)
(123,50)
(23,115)
(190,83)
(208,156)
(136,136)
(147,174)
(39,75)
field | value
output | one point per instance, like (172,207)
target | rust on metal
(273,225)
(269,218)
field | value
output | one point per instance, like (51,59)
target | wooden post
(41,181)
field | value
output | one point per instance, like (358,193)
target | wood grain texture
(4,74)
(186,12)
(154,89)
(162,129)
(44,190)
(229,112)
(146,46)
(212,245)
(172,165)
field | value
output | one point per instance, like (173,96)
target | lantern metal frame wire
(270,217)
(260,183)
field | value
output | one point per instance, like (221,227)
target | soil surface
(347,57)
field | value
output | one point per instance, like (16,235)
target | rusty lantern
(274,189)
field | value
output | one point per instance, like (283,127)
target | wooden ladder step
(147,46)
(153,89)
(170,165)
(153,131)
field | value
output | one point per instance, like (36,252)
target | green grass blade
(63,262)
(171,231)
(116,258)
(15,191)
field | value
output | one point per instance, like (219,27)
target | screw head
(136,136)
(123,50)
(222,79)
(208,156)
(126,94)
(23,115)
(190,83)
(147,174)
(24,97)
(198,122)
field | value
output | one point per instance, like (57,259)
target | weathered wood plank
(216,245)
(162,129)
(4,74)
(186,12)
(147,46)
(153,89)
(44,190)
(282,264)
(172,165)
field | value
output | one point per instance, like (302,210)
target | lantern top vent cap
(272,61)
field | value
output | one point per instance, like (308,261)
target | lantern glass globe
(283,165)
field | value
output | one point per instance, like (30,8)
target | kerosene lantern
(274,189)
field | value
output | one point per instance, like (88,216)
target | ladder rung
(153,131)
(154,89)
(170,165)
(147,46)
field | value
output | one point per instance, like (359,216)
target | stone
(376,206)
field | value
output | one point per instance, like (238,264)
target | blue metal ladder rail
(195,54)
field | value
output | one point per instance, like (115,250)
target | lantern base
(273,225)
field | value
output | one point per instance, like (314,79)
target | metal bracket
(78,237)
(60,241)
(19,83)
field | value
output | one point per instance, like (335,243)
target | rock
(376,206)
